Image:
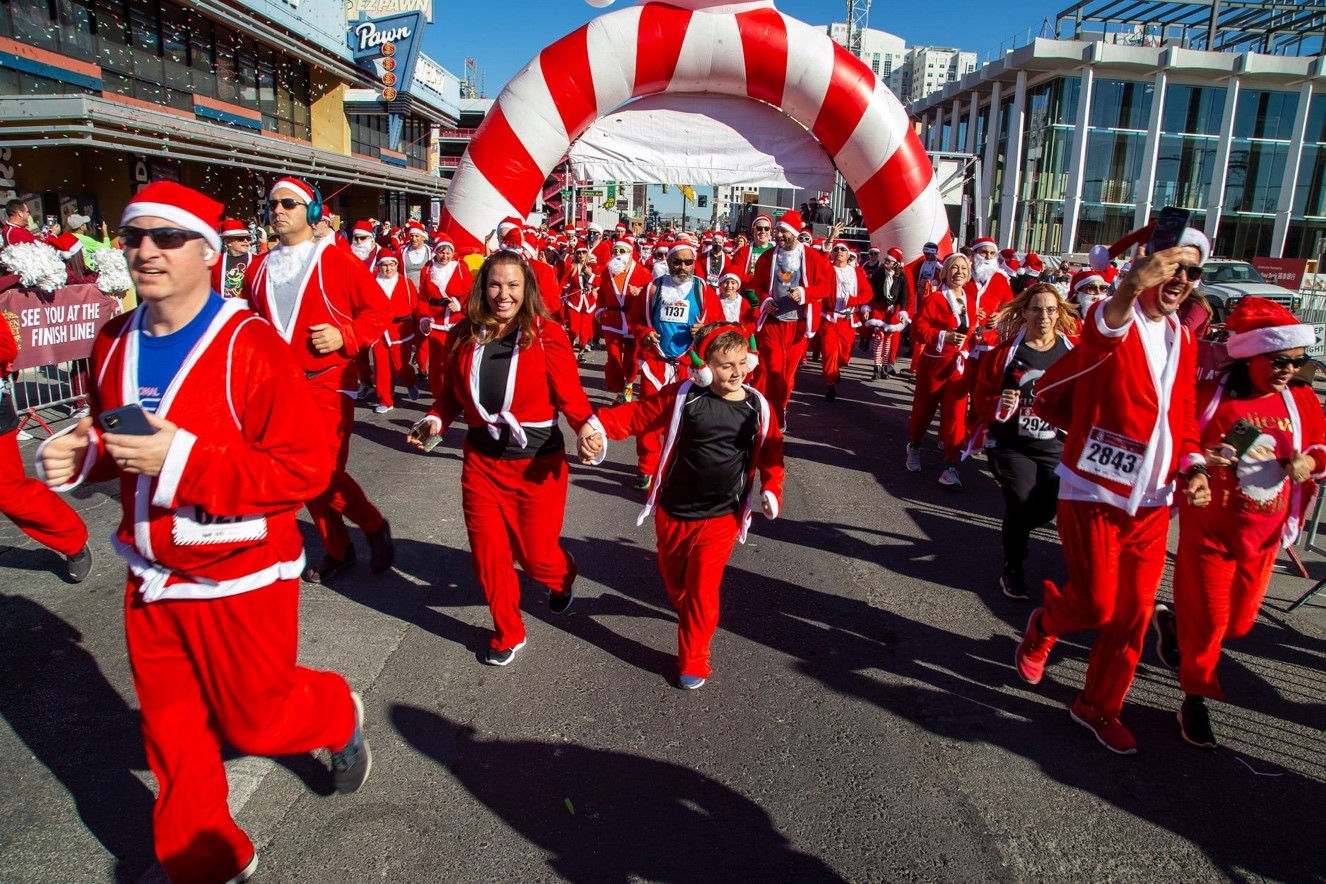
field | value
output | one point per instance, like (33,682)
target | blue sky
(504,38)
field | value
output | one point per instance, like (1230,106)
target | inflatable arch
(748,49)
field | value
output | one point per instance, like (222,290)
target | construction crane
(858,20)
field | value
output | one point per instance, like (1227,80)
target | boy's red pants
(343,499)
(838,340)
(691,556)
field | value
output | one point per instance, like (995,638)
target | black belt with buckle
(437,302)
(402,318)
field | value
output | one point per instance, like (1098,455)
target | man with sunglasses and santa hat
(228,271)
(204,420)
(1126,399)
(328,307)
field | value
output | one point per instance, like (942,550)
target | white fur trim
(785,226)
(175,214)
(1248,344)
(90,458)
(1112,332)
(1197,239)
(598,427)
(172,470)
(769,500)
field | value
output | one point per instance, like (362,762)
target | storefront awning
(56,121)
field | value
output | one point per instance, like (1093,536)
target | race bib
(195,526)
(1111,456)
(1032,427)
(679,312)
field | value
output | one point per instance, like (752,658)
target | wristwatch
(1196,469)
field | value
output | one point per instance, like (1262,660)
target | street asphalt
(863,723)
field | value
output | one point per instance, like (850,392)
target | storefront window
(1268,115)
(1193,110)
(1117,104)
(1185,168)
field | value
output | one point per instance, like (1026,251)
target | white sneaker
(383,409)
(913,458)
(950,478)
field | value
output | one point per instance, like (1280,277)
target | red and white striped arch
(655,47)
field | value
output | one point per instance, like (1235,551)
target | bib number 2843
(1112,457)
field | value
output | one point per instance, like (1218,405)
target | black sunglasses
(761,229)
(1280,363)
(1191,271)
(162,237)
(682,261)
(287,203)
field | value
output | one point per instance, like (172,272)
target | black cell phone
(1170,224)
(127,420)
(1241,437)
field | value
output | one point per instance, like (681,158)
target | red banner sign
(56,327)
(1285,272)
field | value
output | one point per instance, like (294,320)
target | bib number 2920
(1111,456)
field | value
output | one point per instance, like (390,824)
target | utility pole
(858,21)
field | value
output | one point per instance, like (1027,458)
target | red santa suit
(336,289)
(443,291)
(890,312)
(550,289)
(391,351)
(850,291)
(580,300)
(782,340)
(714,265)
(1227,550)
(617,293)
(1126,399)
(657,370)
(692,553)
(214,554)
(14,235)
(514,497)
(989,299)
(35,509)
(941,368)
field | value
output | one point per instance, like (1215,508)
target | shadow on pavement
(607,816)
(77,725)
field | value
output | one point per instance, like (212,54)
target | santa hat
(66,244)
(732,276)
(442,241)
(582,248)
(362,227)
(983,242)
(718,236)
(682,244)
(1084,278)
(627,240)
(514,241)
(179,205)
(1034,264)
(621,229)
(896,254)
(817,244)
(385,255)
(1191,237)
(231,229)
(297,187)
(839,244)
(1259,325)
(505,225)
(414,227)
(761,217)
(694,358)
(594,227)
(790,220)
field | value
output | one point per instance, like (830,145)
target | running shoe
(1195,723)
(1034,650)
(913,458)
(1109,732)
(502,656)
(351,765)
(950,478)
(1167,636)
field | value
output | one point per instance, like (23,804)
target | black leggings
(1031,496)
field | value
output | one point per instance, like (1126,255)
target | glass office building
(1082,141)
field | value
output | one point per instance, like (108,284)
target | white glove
(896,327)
(875,323)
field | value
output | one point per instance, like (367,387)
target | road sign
(591,194)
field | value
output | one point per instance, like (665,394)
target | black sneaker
(503,656)
(79,564)
(382,552)
(1195,723)
(558,602)
(830,394)
(642,482)
(351,765)
(1167,636)
(1013,584)
(328,567)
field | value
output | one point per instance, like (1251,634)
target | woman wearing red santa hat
(580,299)
(941,336)
(444,287)
(509,372)
(889,312)
(391,352)
(1264,436)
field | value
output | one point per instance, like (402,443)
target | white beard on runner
(618,264)
(362,250)
(285,263)
(982,269)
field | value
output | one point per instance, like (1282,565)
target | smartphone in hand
(1241,437)
(1170,224)
(127,420)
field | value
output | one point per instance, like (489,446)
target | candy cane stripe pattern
(746,49)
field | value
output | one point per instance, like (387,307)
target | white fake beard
(362,250)
(659,268)
(983,269)
(618,264)
(1085,301)
(285,263)
(673,289)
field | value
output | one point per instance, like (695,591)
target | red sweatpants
(655,374)
(620,369)
(38,511)
(781,347)
(392,362)
(691,557)
(838,340)
(580,326)
(1216,597)
(1115,562)
(214,671)
(513,513)
(936,388)
(343,499)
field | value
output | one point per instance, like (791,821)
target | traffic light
(702,200)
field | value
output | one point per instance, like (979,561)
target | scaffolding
(1272,27)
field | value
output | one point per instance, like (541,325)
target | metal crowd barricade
(50,392)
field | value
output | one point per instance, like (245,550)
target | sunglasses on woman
(1280,363)
(162,237)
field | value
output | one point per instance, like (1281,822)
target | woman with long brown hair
(1035,330)
(509,371)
